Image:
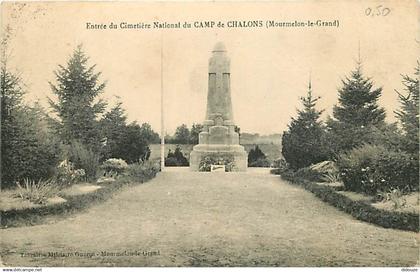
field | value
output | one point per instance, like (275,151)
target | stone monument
(218,137)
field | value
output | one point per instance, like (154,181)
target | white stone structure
(218,135)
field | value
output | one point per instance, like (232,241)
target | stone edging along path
(37,215)
(360,209)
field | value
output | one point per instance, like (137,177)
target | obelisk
(218,136)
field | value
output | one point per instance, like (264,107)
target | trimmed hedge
(37,215)
(359,209)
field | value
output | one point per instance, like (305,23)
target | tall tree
(78,107)
(113,126)
(357,112)
(182,135)
(304,142)
(26,151)
(194,133)
(15,140)
(132,147)
(149,134)
(409,112)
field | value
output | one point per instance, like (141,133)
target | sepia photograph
(210,134)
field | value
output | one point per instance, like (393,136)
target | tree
(149,134)
(132,147)
(194,133)
(15,139)
(78,108)
(356,114)
(169,139)
(409,112)
(26,149)
(122,141)
(113,125)
(257,158)
(303,143)
(182,135)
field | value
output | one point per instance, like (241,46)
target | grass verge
(38,214)
(359,209)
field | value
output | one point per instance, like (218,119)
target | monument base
(238,152)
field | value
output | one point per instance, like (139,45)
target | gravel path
(209,219)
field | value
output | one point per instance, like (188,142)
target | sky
(270,67)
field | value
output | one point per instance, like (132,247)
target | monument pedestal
(218,140)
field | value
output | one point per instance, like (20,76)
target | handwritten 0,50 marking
(377,11)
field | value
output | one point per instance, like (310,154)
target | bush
(114,166)
(254,155)
(37,192)
(27,151)
(308,174)
(371,169)
(141,172)
(84,158)
(325,167)
(176,158)
(67,175)
(261,162)
(328,171)
(395,196)
(332,177)
(228,160)
(280,166)
(171,162)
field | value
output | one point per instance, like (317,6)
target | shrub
(171,162)
(308,174)
(67,175)
(141,171)
(372,168)
(280,166)
(254,155)
(261,162)
(206,162)
(278,163)
(331,177)
(27,150)
(176,158)
(84,158)
(37,192)
(328,171)
(324,167)
(275,171)
(114,166)
(395,196)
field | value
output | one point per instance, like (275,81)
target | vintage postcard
(210,134)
